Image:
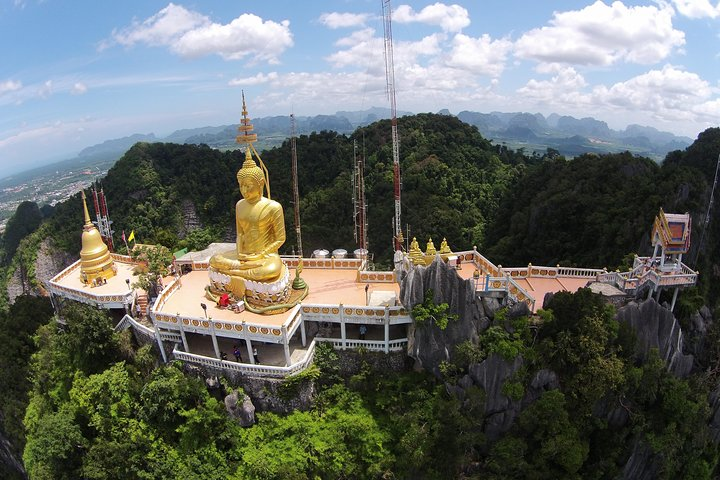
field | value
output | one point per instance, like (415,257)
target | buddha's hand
(251,257)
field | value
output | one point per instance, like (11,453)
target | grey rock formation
(500,410)
(190,219)
(700,323)
(643,464)
(243,412)
(8,461)
(715,417)
(656,327)
(48,263)
(428,344)
(543,381)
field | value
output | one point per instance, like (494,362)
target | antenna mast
(390,78)
(360,207)
(104,224)
(296,192)
(710,205)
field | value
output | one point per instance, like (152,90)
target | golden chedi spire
(96,264)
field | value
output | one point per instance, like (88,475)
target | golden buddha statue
(260,232)
(444,247)
(430,249)
(415,254)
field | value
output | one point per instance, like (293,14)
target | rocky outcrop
(9,463)
(700,323)
(500,410)
(656,327)
(243,412)
(190,219)
(715,415)
(544,380)
(429,345)
(643,464)
(48,263)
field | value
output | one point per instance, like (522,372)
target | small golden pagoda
(96,264)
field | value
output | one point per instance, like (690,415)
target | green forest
(84,401)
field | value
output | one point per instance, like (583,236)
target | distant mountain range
(532,132)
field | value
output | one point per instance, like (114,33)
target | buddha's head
(251,179)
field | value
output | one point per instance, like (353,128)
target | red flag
(123,236)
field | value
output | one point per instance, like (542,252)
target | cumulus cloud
(258,79)
(9,86)
(78,88)
(343,20)
(666,92)
(482,55)
(451,18)
(564,85)
(697,8)
(601,34)
(191,34)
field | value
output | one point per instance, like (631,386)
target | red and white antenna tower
(104,224)
(390,77)
(296,190)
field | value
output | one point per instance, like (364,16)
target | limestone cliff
(656,327)
(429,345)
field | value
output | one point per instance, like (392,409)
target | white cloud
(46,89)
(668,93)
(482,55)
(9,86)
(163,28)
(343,20)
(602,35)
(564,85)
(258,79)
(358,36)
(697,8)
(451,18)
(191,34)
(78,88)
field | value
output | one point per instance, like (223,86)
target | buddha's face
(251,189)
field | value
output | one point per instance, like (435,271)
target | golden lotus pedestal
(259,297)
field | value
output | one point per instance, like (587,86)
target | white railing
(247,368)
(550,272)
(507,284)
(332,262)
(355,314)
(128,321)
(370,345)
(640,275)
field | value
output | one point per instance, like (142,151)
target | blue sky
(73,74)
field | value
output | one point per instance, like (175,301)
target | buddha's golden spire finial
(245,128)
(88,222)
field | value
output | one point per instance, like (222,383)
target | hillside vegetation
(100,407)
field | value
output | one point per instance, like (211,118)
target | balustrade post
(343,337)
(387,329)
(214,339)
(286,345)
(303,337)
(182,333)
(248,344)
(160,345)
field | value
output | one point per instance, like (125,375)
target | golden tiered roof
(95,260)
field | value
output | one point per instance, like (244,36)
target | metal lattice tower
(390,79)
(359,204)
(296,190)
(103,222)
